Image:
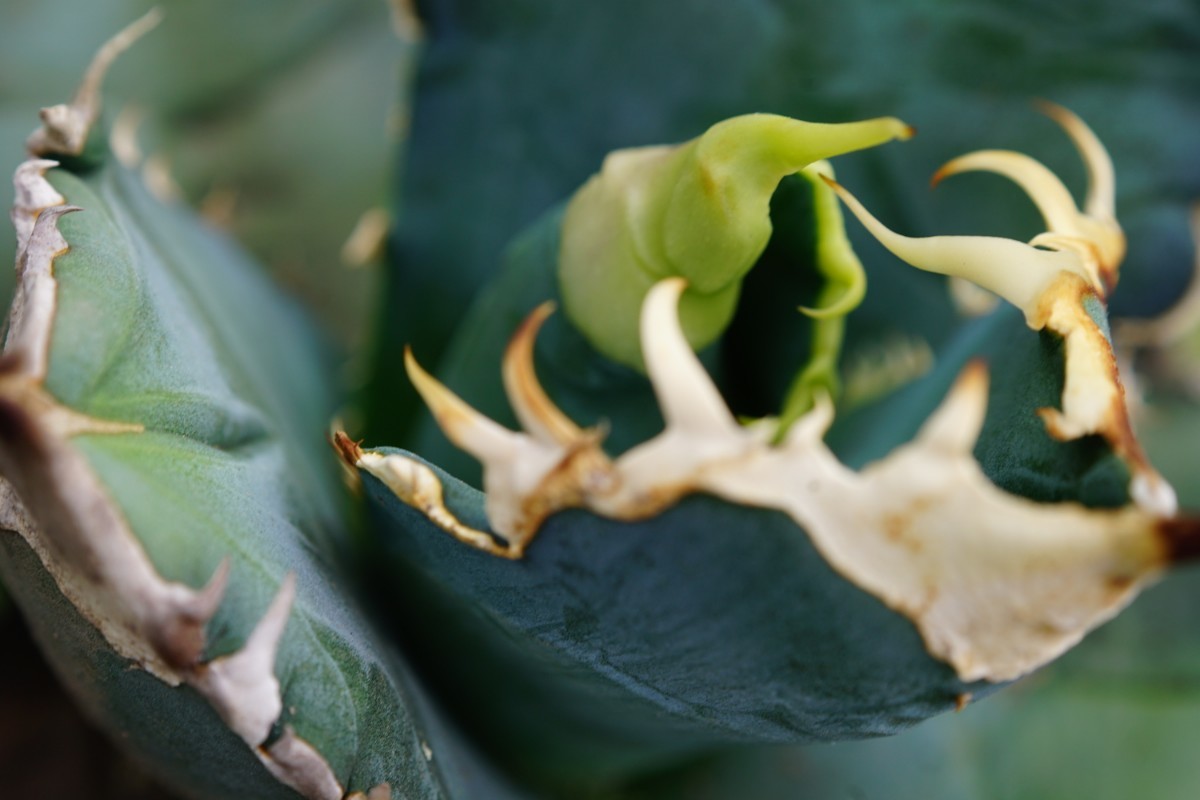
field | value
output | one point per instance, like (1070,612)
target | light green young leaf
(699,210)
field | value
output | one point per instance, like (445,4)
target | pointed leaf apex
(65,128)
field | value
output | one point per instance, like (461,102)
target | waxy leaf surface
(215,392)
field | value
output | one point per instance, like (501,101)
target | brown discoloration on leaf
(85,543)
(71,523)
(1121,583)
(583,472)
(30,318)
(348,452)
(1093,398)
(564,465)
(181,639)
(962,701)
(20,391)
(348,449)
(899,526)
(417,486)
(1180,538)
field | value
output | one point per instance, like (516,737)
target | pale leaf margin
(50,496)
(996,584)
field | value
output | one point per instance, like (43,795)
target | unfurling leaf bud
(699,210)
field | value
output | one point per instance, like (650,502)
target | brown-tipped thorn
(348,449)
(942,173)
(1181,538)
(536,412)
(1048,107)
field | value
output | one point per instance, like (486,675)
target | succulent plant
(693,463)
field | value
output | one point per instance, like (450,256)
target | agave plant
(619,505)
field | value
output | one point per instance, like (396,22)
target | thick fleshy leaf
(163,415)
(707,596)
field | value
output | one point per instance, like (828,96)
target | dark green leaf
(1113,719)
(638,643)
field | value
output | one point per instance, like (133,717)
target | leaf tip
(536,412)
(348,449)
(66,127)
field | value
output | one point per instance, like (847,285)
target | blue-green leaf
(162,417)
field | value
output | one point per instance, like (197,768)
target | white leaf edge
(50,496)
(997,585)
